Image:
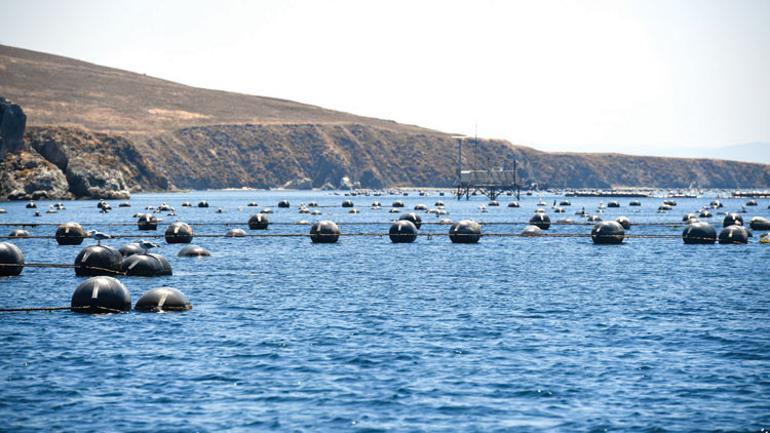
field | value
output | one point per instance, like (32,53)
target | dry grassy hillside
(197,138)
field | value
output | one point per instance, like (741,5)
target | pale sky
(628,76)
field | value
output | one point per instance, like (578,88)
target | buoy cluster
(102,294)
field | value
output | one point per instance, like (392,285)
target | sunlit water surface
(510,334)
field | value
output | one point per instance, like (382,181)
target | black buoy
(759,223)
(398,203)
(347,203)
(624,222)
(11,260)
(493,203)
(31,205)
(101,295)
(608,233)
(635,203)
(439,203)
(146,265)
(734,234)
(163,299)
(699,233)
(324,232)
(70,234)
(283,204)
(594,218)
(235,233)
(19,233)
(179,233)
(258,222)
(193,251)
(124,204)
(732,219)
(704,214)
(514,204)
(613,204)
(532,231)
(413,218)
(98,260)
(420,206)
(403,231)
(752,202)
(147,222)
(203,204)
(130,249)
(540,220)
(465,232)
(688,217)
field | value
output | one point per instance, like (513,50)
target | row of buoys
(104,294)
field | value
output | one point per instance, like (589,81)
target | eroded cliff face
(26,175)
(319,155)
(63,163)
(12,124)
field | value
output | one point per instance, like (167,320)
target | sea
(511,334)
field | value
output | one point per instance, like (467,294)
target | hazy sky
(629,76)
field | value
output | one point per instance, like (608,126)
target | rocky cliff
(109,131)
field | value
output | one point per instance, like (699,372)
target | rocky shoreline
(62,163)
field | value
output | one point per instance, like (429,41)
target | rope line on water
(351,223)
(83,308)
(365,234)
(62,266)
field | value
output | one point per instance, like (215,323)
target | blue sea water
(510,334)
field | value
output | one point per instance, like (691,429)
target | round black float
(514,204)
(624,222)
(594,218)
(732,219)
(688,217)
(203,204)
(734,234)
(613,204)
(258,222)
(147,222)
(163,299)
(716,204)
(179,233)
(146,265)
(704,214)
(608,233)
(398,203)
(420,206)
(465,232)
(635,203)
(98,260)
(11,260)
(532,231)
(19,233)
(283,204)
(403,231)
(124,204)
(438,203)
(101,295)
(235,233)
(70,234)
(130,249)
(193,251)
(751,203)
(493,203)
(31,205)
(347,203)
(541,220)
(759,223)
(699,233)
(413,218)
(324,232)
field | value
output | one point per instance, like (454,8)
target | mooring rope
(83,308)
(62,266)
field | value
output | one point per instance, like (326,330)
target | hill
(128,131)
